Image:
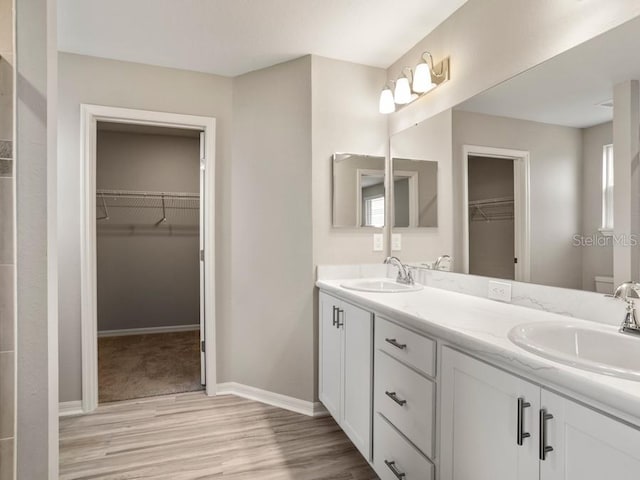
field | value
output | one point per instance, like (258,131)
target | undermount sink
(380,285)
(602,349)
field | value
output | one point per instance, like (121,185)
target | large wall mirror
(530,167)
(358,190)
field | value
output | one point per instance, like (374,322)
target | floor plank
(191,436)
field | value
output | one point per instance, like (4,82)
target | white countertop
(480,327)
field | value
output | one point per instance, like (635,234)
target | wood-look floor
(191,436)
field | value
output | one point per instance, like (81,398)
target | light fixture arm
(428,58)
(410,75)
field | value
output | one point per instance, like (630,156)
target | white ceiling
(231,37)
(568,89)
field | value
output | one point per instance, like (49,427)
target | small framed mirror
(415,193)
(358,190)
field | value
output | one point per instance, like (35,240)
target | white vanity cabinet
(346,368)
(496,426)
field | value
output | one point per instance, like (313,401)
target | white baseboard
(70,408)
(312,409)
(143,331)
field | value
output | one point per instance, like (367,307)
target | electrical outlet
(378,242)
(500,291)
(396,242)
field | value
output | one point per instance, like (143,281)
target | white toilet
(604,285)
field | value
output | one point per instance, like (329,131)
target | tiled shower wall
(7,247)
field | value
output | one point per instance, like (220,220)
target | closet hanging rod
(145,194)
(491,202)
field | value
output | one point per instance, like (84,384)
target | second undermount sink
(601,348)
(380,285)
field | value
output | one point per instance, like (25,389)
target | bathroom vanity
(428,385)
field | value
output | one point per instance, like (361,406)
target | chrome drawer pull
(335,309)
(339,324)
(521,434)
(395,343)
(544,448)
(392,466)
(394,397)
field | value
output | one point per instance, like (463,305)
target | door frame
(521,207)
(89,118)
(414,207)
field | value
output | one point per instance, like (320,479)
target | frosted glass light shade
(422,79)
(402,94)
(387,105)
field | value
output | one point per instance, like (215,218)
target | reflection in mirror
(415,193)
(532,169)
(358,190)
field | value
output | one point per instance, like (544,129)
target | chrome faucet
(629,292)
(404,273)
(441,258)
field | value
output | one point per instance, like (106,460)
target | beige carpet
(136,366)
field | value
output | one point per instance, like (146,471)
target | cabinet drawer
(405,345)
(406,399)
(389,446)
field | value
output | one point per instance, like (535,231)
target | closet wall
(148,275)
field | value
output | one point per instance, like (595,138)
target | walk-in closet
(148,219)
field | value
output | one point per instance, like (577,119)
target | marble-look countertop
(480,327)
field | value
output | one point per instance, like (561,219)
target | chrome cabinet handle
(544,448)
(333,322)
(339,324)
(395,343)
(392,466)
(394,397)
(521,435)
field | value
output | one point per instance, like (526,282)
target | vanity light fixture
(402,93)
(411,84)
(387,105)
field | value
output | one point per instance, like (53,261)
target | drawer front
(394,456)
(406,399)
(407,346)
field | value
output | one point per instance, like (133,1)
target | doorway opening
(147,261)
(148,182)
(496,213)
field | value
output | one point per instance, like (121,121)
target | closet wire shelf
(146,207)
(491,209)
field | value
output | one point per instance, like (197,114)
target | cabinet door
(358,372)
(587,445)
(330,355)
(479,422)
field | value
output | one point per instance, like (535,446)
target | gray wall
(106,82)
(148,276)
(36,274)
(345,118)
(597,259)
(272,275)
(555,188)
